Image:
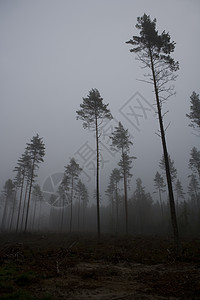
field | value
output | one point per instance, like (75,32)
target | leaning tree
(93,112)
(153,50)
(172,168)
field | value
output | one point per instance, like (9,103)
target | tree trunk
(24,206)
(113,227)
(97,183)
(20,203)
(79,204)
(70,228)
(34,212)
(117,212)
(126,203)
(62,218)
(84,213)
(13,209)
(39,216)
(161,206)
(125,194)
(29,194)
(167,168)
(3,223)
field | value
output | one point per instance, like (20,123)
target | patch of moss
(7,274)
(19,295)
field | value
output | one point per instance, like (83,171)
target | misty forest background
(67,203)
(23,209)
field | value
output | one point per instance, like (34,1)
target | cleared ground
(61,266)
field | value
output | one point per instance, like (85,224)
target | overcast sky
(54,51)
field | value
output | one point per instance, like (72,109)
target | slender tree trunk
(97,183)
(126,203)
(113,227)
(39,215)
(24,206)
(20,203)
(79,204)
(161,206)
(71,210)
(13,209)
(34,211)
(117,213)
(125,194)
(177,198)
(84,212)
(9,216)
(62,217)
(3,223)
(167,168)
(29,194)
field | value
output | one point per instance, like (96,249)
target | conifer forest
(100,176)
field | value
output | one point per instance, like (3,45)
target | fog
(54,52)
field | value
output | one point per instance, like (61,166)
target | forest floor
(61,266)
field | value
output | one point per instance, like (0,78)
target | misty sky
(54,51)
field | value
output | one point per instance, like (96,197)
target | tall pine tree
(93,112)
(154,50)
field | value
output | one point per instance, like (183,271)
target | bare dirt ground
(61,266)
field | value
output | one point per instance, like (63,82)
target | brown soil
(56,266)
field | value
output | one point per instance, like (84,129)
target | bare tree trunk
(62,218)
(97,183)
(126,203)
(20,203)
(13,209)
(39,216)
(84,212)
(167,168)
(113,227)
(34,211)
(161,206)
(117,213)
(24,206)
(125,194)
(3,223)
(29,195)
(79,204)
(71,208)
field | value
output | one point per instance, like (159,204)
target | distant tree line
(23,184)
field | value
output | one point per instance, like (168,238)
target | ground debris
(82,267)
